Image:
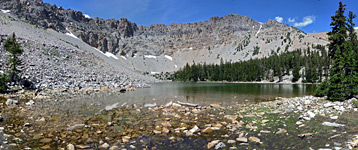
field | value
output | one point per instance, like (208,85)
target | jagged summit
(104,34)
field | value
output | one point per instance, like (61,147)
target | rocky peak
(126,38)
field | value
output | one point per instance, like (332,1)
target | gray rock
(333,124)
(242,139)
(169,104)
(329,104)
(11,102)
(310,114)
(110,107)
(150,105)
(220,145)
(288,110)
(30,103)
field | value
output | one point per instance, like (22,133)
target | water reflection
(163,93)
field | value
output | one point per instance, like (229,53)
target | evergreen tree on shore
(343,79)
(352,47)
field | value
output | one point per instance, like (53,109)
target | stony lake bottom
(181,116)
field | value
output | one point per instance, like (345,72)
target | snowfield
(71,34)
(5,11)
(150,56)
(169,57)
(154,73)
(259,30)
(108,54)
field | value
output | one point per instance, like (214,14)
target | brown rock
(254,139)
(157,132)
(165,130)
(213,143)
(166,124)
(46,147)
(207,130)
(263,131)
(281,131)
(46,140)
(82,146)
(215,105)
(242,139)
(114,148)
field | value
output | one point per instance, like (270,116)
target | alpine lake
(166,115)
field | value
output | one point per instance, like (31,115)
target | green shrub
(355,103)
(3,80)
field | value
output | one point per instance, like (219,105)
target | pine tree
(13,47)
(3,81)
(296,70)
(352,54)
(337,37)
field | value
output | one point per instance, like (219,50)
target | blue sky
(307,15)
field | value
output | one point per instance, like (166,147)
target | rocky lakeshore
(284,123)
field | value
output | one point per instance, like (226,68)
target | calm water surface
(161,93)
(225,93)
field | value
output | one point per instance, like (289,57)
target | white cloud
(279,19)
(291,20)
(306,21)
(356,28)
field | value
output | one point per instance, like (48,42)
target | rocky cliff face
(125,37)
(232,38)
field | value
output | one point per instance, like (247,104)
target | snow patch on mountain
(108,54)
(169,57)
(150,56)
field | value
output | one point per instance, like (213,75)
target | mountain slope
(56,60)
(161,48)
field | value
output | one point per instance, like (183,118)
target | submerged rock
(220,145)
(110,107)
(213,143)
(187,104)
(70,147)
(150,105)
(96,104)
(104,146)
(169,104)
(192,131)
(75,126)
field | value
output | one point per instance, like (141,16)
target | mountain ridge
(144,48)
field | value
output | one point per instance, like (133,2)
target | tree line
(310,65)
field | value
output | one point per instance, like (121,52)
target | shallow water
(208,93)
(162,93)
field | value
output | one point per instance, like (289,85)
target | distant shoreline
(256,82)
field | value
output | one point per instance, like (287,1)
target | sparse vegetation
(256,50)
(13,47)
